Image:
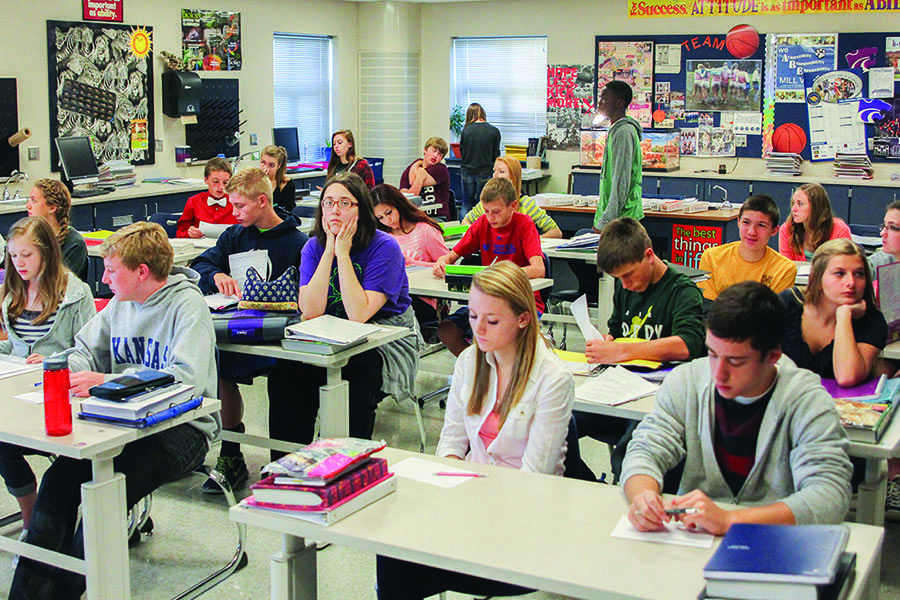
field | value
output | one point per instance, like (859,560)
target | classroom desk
(545,532)
(334,411)
(531,178)
(872,490)
(186,249)
(892,351)
(422,282)
(105,562)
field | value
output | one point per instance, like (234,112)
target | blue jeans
(146,463)
(472,184)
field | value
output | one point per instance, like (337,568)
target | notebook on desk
(889,298)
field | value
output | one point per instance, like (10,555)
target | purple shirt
(380,267)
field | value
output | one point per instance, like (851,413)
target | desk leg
(605,304)
(334,406)
(872,493)
(105,541)
(293,570)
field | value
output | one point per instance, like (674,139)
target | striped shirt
(527,206)
(28,333)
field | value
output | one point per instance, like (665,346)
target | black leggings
(402,580)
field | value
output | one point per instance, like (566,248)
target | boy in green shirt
(620,184)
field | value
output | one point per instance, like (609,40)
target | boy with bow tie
(211,206)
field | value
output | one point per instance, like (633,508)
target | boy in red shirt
(211,206)
(501,233)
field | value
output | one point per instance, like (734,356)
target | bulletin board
(101,85)
(683,77)
(9,124)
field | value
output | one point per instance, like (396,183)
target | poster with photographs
(799,53)
(689,142)
(101,86)
(570,95)
(723,85)
(631,62)
(714,141)
(892,54)
(211,40)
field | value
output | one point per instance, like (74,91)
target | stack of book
(143,409)
(866,410)
(784,163)
(853,166)
(325,481)
(788,562)
(117,173)
(326,335)
(517,151)
(585,240)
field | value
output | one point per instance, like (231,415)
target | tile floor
(192,535)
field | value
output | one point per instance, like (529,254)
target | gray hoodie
(171,331)
(801,453)
(74,311)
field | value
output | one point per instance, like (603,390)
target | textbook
(866,420)
(277,490)
(804,555)
(838,589)
(324,460)
(870,390)
(349,505)
(314,347)
(140,405)
(151,419)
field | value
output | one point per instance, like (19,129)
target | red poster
(689,242)
(102,10)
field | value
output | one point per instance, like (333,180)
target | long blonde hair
(507,281)
(819,263)
(52,278)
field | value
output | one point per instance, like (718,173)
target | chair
(169,221)
(573,464)
(453,207)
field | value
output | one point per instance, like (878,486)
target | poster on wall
(211,40)
(892,53)
(713,85)
(570,92)
(797,54)
(631,62)
(689,242)
(755,8)
(101,86)
(832,100)
(102,10)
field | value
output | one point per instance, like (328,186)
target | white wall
(24,48)
(571,26)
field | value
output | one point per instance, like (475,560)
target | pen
(451,474)
(39,384)
(676,511)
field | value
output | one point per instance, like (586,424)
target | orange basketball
(789,137)
(742,41)
(659,115)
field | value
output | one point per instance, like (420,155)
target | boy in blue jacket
(259,227)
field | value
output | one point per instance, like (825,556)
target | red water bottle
(57,409)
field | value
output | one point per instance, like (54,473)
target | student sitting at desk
(507,167)
(211,206)
(749,259)
(421,241)
(428,177)
(750,429)
(51,199)
(43,306)
(658,308)
(259,227)
(810,224)
(343,158)
(890,239)
(509,405)
(154,321)
(501,233)
(355,271)
(273,161)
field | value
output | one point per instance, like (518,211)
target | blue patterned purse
(277,295)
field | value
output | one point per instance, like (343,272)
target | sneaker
(233,468)
(892,498)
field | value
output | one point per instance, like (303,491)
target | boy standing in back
(428,177)
(751,258)
(620,184)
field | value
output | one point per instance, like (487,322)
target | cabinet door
(778,191)
(734,190)
(839,195)
(868,203)
(649,184)
(119,213)
(681,186)
(586,184)
(168,203)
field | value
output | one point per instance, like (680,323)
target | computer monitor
(78,162)
(287,138)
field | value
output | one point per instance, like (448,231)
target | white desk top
(422,282)
(892,351)
(540,531)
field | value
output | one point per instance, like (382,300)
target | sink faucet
(237,161)
(725,202)
(14,177)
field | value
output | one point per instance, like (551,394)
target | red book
(319,497)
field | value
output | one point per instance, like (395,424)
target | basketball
(742,41)
(659,115)
(789,138)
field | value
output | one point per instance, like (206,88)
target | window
(508,77)
(302,89)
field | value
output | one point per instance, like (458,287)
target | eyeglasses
(344,204)
(890,227)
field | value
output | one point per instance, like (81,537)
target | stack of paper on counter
(613,386)
(326,334)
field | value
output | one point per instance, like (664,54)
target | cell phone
(123,387)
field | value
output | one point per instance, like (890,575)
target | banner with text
(689,242)
(744,8)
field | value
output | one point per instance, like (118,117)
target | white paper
(673,534)
(668,58)
(748,123)
(616,385)
(881,82)
(203,242)
(240,262)
(33,397)
(212,230)
(579,310)
(423,470)
(328,328)
(220,301)
(12,365)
